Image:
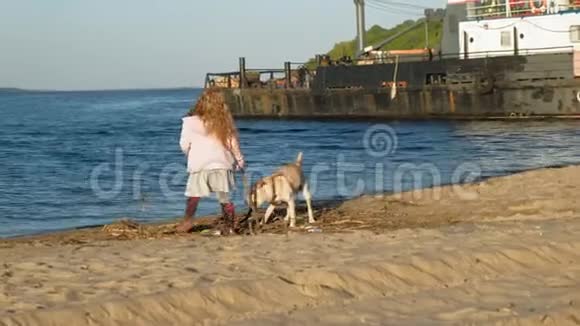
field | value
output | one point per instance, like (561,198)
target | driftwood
(127,229)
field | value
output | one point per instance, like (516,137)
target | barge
(497,59)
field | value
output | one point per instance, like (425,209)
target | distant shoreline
(23,90)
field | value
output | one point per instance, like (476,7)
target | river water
(72,159)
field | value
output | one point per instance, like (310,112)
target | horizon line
(19,89)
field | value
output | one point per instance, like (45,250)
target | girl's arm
(184,141)
(235,149)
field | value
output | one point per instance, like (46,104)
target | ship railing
(294,75)
(436,56)
(519,8)
(512,52)
(428,55)
(301,75)
(574,6)
(222,80)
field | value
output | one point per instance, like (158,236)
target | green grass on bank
(414,39)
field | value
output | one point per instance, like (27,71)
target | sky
(124,44)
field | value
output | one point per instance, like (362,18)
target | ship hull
(555,99)
(534,87)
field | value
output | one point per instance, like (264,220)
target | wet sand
(504,251)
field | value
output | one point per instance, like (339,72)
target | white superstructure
(522,35)
(503,28)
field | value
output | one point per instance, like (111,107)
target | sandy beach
(505,251)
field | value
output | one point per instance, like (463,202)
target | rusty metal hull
(504,87)
(547,101)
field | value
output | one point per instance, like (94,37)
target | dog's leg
(287,217)
(308,197)
(292,212)
(269,212)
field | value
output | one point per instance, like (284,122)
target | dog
(282,187)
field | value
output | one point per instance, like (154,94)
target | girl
(210,140)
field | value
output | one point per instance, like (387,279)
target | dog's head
(257,195)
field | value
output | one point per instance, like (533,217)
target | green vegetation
(414,39)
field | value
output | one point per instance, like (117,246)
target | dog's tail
(299,159)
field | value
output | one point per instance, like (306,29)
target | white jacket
(206,152)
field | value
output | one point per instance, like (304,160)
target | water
(71,159)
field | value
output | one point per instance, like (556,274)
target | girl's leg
(230,220)
(190,208)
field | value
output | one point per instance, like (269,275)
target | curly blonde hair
(213,111)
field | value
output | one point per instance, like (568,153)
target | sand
(508,255)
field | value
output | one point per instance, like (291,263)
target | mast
(360,25)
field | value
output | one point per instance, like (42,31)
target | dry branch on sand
(127,229)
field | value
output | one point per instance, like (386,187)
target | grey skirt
(203,183)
